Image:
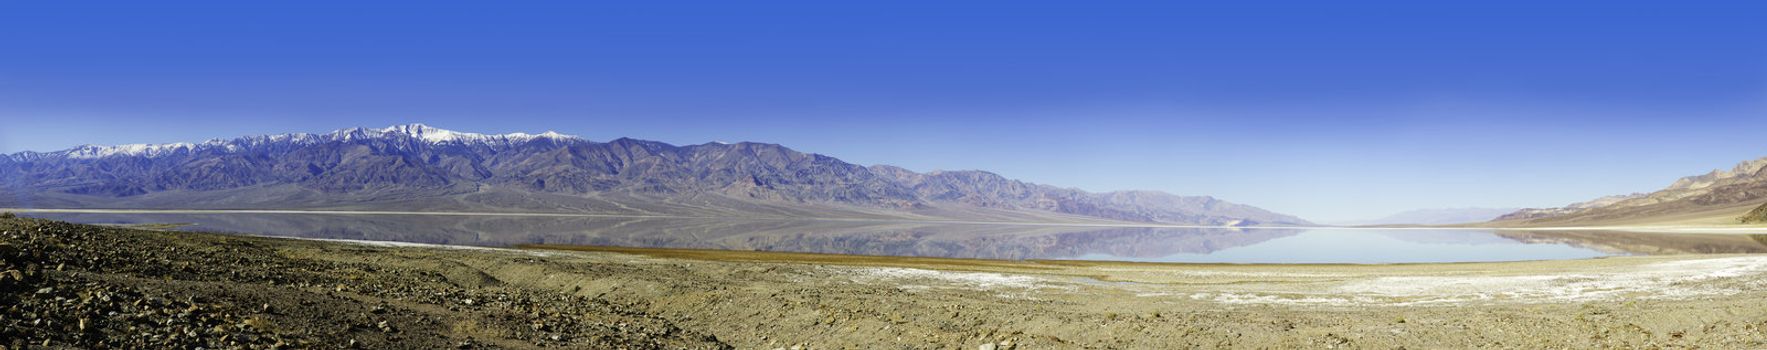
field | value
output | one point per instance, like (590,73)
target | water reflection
(1013,242)
(1646,243)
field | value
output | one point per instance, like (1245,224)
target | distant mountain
(416,167)
(1715,197)
(1436,216)
(1536,213)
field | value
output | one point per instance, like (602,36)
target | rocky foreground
(80,286)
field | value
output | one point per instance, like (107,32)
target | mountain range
(1442,216)
(1718,197)
(420,168)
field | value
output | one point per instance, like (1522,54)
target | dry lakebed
(67,285)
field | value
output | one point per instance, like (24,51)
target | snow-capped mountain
(411,131)
(440,136)
(417,167)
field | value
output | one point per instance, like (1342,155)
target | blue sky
(1327,110)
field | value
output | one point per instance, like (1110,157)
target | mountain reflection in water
(954,240)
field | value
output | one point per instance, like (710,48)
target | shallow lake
(966,240)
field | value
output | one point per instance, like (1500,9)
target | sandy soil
(118,287)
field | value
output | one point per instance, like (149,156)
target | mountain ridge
(1716,192)
(415,166)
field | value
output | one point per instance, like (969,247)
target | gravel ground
(79,286)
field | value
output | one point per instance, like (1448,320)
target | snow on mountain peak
(423,132)
(437,135)
(96,151)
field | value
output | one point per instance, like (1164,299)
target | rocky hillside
(1536,213)
(1759,215)
(416,167)
(1743,186)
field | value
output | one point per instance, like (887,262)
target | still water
(983,241)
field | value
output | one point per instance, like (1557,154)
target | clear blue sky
(1326,109)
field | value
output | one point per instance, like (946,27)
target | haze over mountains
(1720,196)
(1443,216)
(420,168)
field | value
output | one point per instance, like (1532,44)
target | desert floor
(80,286)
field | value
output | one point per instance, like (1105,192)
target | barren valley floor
(83,286)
